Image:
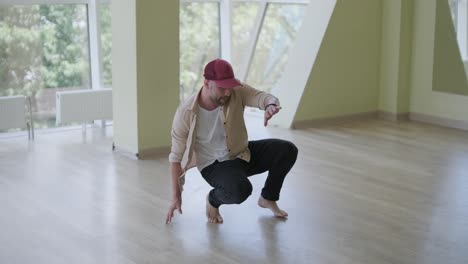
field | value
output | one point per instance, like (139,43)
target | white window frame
(225,28)
(94,38)
(461,27)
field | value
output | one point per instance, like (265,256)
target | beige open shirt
(185,123)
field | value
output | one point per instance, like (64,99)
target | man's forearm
(176,171)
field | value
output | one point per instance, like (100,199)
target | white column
(225,11)
(94,44)
(462,28)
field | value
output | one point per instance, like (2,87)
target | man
(209,132)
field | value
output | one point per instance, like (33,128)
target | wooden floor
(366,191)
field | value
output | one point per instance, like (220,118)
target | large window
(459,12)
(281,23)
(199,43)
(454,12)
(106,44)
(243,23)
(256,38)
(44,50)
(48,47)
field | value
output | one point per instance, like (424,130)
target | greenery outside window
(199,43)
(43,49)
(47,46)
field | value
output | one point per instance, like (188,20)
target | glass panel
(106,44)
(451,47)
(454,11)
(243,22)
(278,33)
(43,49)
(199,43)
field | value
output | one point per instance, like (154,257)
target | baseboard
(332,120)
(434,120)
(393,116)
(125,152)
(441,121)
(150,153)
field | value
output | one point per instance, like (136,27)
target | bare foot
(264,203)
(212,213)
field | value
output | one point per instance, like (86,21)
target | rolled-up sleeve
(256,98)
(179,134)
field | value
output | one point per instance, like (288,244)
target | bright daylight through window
(261,35)
(45,48)
(48,46)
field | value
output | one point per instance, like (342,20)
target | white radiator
(13,112)
(84,106)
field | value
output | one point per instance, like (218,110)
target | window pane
(454,10)
(106,44)
(199,43)
(278,33)
(243,22)
(43,49)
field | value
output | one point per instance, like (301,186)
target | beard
(223,100)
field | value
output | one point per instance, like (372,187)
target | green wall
(387,55)
(449,71)
(390,57)
(345,76)
(158,71)
(406,43)
(145,73)
(423,99)
(395,64)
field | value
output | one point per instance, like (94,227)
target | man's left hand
(270,111)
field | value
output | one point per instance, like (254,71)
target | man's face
(218,95)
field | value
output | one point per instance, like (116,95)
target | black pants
(229,178)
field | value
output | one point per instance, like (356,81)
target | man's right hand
(175,205)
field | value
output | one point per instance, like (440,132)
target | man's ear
(205,83)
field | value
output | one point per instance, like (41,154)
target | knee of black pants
(241,192)
(290,150)
(294,150)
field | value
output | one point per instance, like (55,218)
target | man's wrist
(270,105)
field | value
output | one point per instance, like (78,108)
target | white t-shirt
(210,141)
